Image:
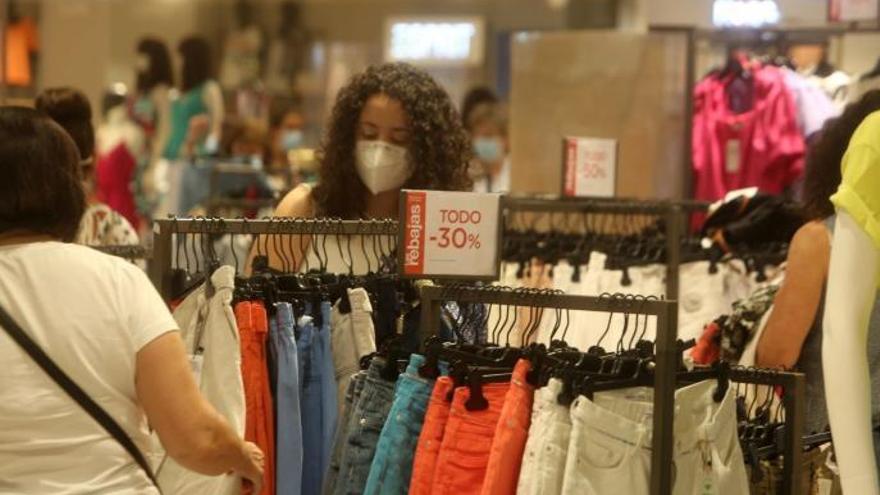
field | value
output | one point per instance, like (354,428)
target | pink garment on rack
(114,173)
(762,147)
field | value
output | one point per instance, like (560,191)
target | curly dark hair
(439,147)
(822,176)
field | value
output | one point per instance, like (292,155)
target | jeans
(430,438)
(317,398)
(368,418)
(345,424)
(543,465)
(392,466)
(610,446)
(352,337)
(289,442)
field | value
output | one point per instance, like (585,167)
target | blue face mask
(488,149)
(291,139)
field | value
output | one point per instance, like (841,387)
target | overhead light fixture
(745,13)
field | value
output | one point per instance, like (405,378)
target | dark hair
(474,98)
(71,110)
(197,66)
(822,176)
(281,107)
(41,190)
(439,148)
(159,69)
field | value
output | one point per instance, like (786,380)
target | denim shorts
(391,469)
(368,418)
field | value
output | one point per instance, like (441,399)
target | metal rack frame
(667,351)
(794,388)
(165,229)
(675,213)
(667,356)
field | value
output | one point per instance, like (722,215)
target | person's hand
(252,471)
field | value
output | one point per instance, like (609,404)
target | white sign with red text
(450,234)
(589,167)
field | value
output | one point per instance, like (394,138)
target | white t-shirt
(91,313)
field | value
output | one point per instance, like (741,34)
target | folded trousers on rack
(259,422)
(543,465)
(352,337)
(391,469)
(318,398)
(289,443)
(511,433)
(816,477)
(467,442)
(610,446)
(368,418)
(343,426)
(430,438)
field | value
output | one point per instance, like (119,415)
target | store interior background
(605,68)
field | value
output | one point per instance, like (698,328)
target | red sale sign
(450,235)
(589,167)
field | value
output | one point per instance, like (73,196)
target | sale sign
(450,235)
(589,167)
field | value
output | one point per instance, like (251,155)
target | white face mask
(382,166)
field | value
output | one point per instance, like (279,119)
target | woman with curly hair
(392,127)
(793,335)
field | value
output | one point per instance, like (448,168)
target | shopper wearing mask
(99,319)
(392,127)
(286,134)
(490,169)
(100,225)
(793,335)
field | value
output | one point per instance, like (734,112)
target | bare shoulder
(812,241)
(298,203)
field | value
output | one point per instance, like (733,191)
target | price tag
(450,235)
(590,167)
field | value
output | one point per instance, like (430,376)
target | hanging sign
(450,235)
(589,167)
(853,10)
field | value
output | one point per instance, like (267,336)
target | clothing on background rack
(761,146)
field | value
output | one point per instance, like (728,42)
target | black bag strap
(74,391)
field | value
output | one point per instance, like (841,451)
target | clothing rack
(165,229)
(675,213)
(794,387)
(129,252)
(667,351)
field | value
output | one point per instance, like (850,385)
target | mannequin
(852,289)
(852,285)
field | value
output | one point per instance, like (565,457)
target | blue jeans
(391,469)
(368,418)
(318,398)
(346,423)
(289,436)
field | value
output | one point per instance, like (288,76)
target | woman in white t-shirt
(101,321)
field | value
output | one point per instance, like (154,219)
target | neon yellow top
(859,192)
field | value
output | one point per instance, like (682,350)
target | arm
(163,124)
(797,301)
(297,204)
(192,432)
(213,96)
(852,289)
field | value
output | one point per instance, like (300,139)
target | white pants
(352,336)
(610,444)
(543,464)
(209,329)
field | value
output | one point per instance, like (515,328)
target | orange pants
(467,443)
(428,447)
(253,326)
(511,434)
